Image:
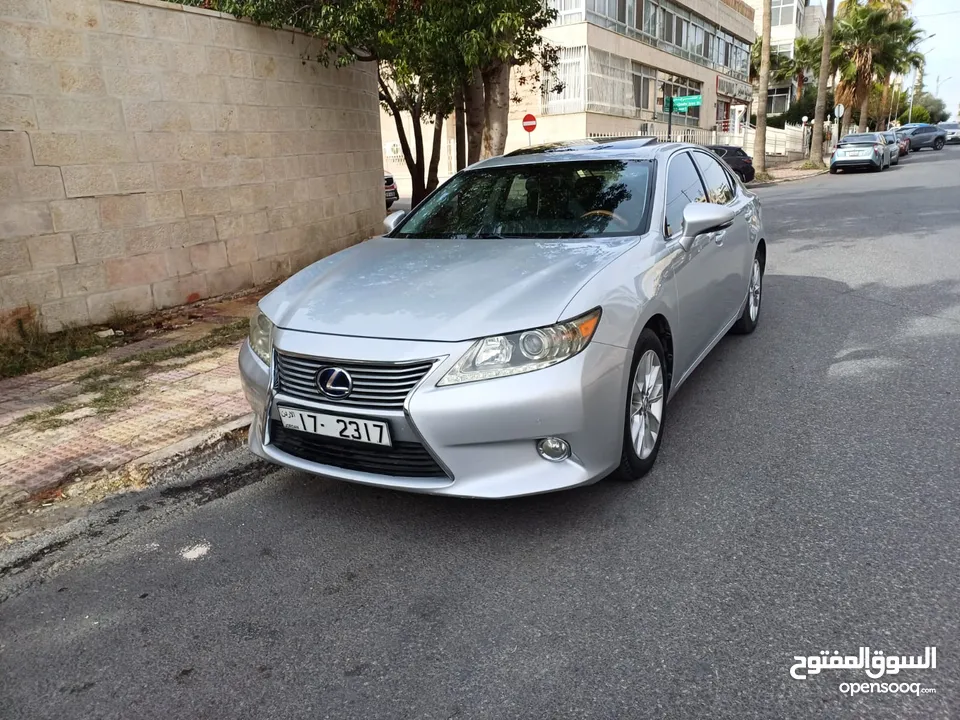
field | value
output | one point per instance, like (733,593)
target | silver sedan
(520,331)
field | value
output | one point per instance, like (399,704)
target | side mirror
(392,220)
(700,218)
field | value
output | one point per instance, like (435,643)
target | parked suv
(737,159)
(953,131)
(924,136)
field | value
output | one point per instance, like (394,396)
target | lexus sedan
(520,331)
(863,151)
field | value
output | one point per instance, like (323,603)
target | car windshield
(950,126)
(598,198)
(859,140)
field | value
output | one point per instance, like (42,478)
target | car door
(922,137)
(735,259)
(698,273)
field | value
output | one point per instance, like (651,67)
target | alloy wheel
(646,404)
(756,279)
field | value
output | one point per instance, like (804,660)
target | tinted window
(718,184)
(741,152)
(719,151)
(859,139)
(683,188)
(543,200)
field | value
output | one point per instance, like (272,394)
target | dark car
(924,136)
(737,160)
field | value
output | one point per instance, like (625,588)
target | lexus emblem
(335,383)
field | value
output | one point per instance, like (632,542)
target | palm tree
(816,145)
(868,37)
(806,56)
(760,138)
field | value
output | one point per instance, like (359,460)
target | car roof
(615,148)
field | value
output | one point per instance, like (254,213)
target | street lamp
(940,82)
(913,88)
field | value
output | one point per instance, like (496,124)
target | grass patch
(116,383)
(812,166)
(26,347)
(763,177)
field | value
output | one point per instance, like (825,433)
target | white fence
(779,142)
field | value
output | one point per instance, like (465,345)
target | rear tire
(646,396)
(833,171)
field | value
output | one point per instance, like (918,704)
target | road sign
(682,102)
(838,111)
(529,123)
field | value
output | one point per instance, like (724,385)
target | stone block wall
(153,154)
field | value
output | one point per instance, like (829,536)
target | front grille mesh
(404,459)
(381,386)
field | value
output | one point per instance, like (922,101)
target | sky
(941,17)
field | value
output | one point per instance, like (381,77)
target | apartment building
(789,20)
(618,60)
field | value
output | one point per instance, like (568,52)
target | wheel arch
(661,328)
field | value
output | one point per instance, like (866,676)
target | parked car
(390,190)
(893,144)
(520,331)
(737,159)
(953,131)
(903,141)
(862,150)
(923,135)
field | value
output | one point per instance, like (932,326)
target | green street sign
(683,102)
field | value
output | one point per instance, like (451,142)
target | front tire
(938,144)
(751,311)
(646,403)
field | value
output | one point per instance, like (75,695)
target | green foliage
(936,107)
(806,105)
(920,115)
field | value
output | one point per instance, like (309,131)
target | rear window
(597,198)
(859,139)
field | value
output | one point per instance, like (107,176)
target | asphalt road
(806,498)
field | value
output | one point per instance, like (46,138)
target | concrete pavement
(805,499)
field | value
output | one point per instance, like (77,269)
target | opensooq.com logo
(875,665)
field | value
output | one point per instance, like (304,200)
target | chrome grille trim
(377,385)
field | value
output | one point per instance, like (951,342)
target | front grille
(404,459)
(382,386)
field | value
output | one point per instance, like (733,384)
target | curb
(786,180)
(205,437)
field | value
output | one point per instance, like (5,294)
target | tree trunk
(760,139)
(432,180)
(414,164)
(461,128)
(886,103)
(801,81)
(816,152)
(496,108)
(864,110)
(473,109)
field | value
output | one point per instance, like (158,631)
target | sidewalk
(791,171)
(121,407)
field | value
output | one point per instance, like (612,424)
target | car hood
(439,290)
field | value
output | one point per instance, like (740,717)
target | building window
(778,100)
(666,26)
(785,12)
(569,73)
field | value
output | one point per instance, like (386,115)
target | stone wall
(153,154)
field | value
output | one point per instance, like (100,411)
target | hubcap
(755,280)
(646,404)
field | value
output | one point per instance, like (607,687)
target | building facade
(789,20)
(618,59)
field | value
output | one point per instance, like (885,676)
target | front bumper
(392,194)
(481,434)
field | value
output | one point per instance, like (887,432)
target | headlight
(523,352)
(261,337)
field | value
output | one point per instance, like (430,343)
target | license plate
(344,428)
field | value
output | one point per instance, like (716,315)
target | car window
(683,187)
(718,185)
(741,152)
(859,139)
(950,126)
(720,151)
(597,198)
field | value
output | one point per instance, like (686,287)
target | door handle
(718,237)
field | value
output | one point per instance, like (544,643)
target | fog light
(553,449)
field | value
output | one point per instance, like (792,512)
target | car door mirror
(700,218)
(392,220)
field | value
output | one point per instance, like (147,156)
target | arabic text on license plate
(344,428)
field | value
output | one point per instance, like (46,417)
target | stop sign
(529,123)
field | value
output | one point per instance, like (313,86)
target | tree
(935,107)
(760,138)
(806,56)
(816,152)
(920,115)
